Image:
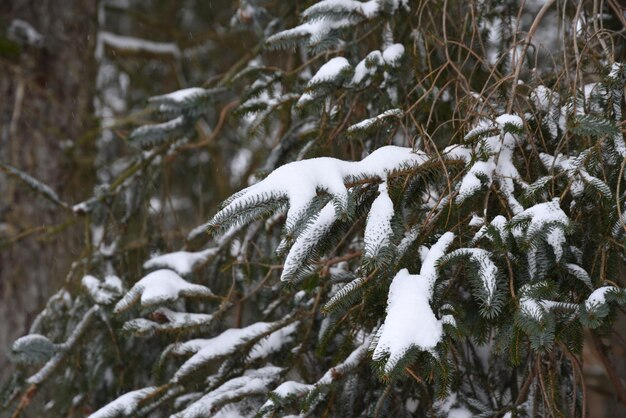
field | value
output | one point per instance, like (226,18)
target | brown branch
(610,369)
(523,393)
(218,128)
(413,375)
(520,59)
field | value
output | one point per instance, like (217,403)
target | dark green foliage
(594,126)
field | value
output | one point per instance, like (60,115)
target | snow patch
(253,382)
(409,297)
(329,71)
(125,405)
(378,227)
(598,297)
(158,287)
(392,54)
(129,43)
(183,262)
(299,181)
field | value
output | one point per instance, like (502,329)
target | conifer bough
(445,261)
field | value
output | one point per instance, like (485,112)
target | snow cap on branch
(409,297)
(159,287)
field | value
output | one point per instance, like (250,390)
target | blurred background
(75,76)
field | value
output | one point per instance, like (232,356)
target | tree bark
(46,117)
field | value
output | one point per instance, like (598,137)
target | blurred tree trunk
(603,400)
(46,130)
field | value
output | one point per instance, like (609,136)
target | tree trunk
(46,117)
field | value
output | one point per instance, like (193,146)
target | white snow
(481,128)
(239,165)
(180,96)
(499,165)
(460,413)
(102,293)
(617,71)
(458,152)
(547,101)
(471,181)
(368,9)
(158,287)
(174,321)
(544,98)
(541,215)
(113,283)
(222,345)
(620,225)
(367,66)
(124,405)
(305,98)
(328,15)
(253,382)
(170,125)
(286,389)
(530,307)
(576,172)
(507,119)
(598,297)
(92,285)
(350,363)
(329,71)
(409,297)
(620,144)
(476,220)
(487,270)
(409,238)
(307,239)
(579,272)
(428,269)
(499,222)
(291,388)
(506,173)
(365,124)
(393,53)
(233,410)
(129,43)
(449,407)
(22,31)
(63,348)
(299,181)
(378,226)
(183,262)
(34,347)
(273,342)
(315,30)
(536,308)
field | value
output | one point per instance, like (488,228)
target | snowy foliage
(403,237)
(182,262)
(378,226)
(299,181)
(125,405)
(253,382)
(410,297)
(159,287)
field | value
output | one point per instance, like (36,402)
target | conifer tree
(435,216)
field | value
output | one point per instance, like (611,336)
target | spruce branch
(38,379)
